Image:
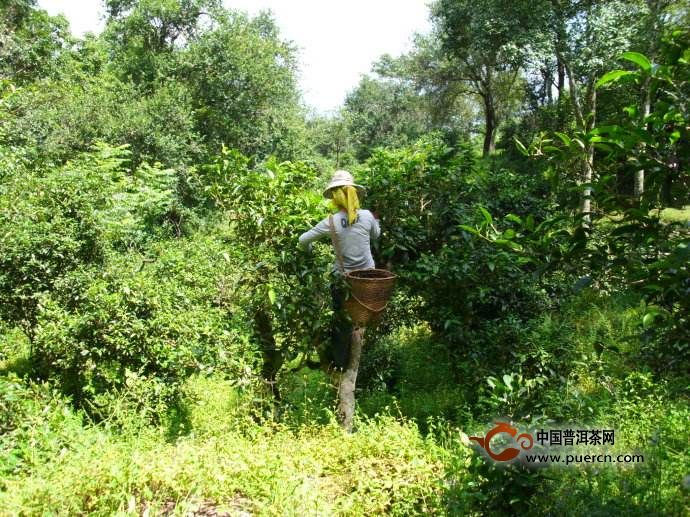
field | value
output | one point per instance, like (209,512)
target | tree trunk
(561,91)
(273,357)
(548,84)
(586,205)
(584,123)
(652,28)
(559,46)
(490,125)
(639,174)
(348,381)
(561,79)
(639,184)
(588,176)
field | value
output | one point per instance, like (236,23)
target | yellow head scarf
(346,198)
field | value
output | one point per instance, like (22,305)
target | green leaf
(639,59)
(509,244)
(631,111)
(604,147)
(564,138)
(271,295)
(529,223)
(612,76)
(508,379)
(521,147)
(648,319)
(486,214)
(468,229)
(514,218)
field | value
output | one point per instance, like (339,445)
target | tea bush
(62,119)
(141,326)
(284,290)
(61,221)
(49,228)
(429,195)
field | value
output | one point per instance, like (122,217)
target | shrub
(132,334)
(284,290)
(420,193)
(429,194)
(56,121)
(49,228)
(65,219)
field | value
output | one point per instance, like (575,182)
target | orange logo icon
(524,440)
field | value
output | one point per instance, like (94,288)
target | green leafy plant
(284,290)
(627,241)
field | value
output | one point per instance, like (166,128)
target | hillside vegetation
(164,341)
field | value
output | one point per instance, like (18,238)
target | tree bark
(348,382)
(639,174)
(490,124)
(559,45)
(586,206)
(588,176)
(584,125)
(273,358)
(547,97)
(561,79)
(652,28)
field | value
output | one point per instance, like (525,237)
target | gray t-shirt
(354,240)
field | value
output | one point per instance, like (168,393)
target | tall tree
(243,82)
(589,35)
(658,14)
(31,41)
(586,37)
(481,40)
(382,112)
(429,72)
(144,33)
(329,137)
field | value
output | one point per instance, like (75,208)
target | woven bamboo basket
(370,290)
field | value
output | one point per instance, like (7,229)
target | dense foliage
(283,290)
(165,343)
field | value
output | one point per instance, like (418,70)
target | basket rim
(390,276)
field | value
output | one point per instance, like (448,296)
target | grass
(676,215)
(408,456)
(228,462)
(667,215)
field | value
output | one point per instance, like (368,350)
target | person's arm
(317,232)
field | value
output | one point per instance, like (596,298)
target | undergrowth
(409,455)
